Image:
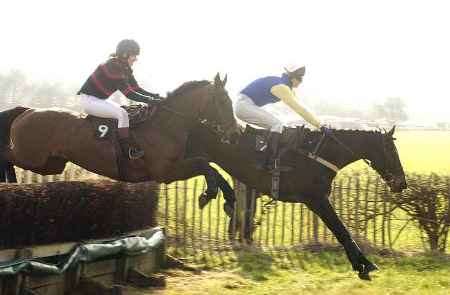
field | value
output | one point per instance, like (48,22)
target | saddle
(296,139)
(291,139)
(105,128)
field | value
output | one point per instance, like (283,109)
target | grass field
(421,151)
(424,151)
(295,272)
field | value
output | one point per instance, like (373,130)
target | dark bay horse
(310,181)
(44,140)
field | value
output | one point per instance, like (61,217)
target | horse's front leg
(323,208)
(228,194)
(187,168)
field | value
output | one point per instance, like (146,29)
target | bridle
(201,119)
(388,176)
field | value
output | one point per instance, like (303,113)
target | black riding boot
(273,150)
(271,153)
(129,148)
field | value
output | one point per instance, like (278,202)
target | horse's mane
(341,131)
(316,132)
(349,131)
(187,86)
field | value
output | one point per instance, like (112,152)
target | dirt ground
(187,282)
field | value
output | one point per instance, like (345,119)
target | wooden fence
(358,197)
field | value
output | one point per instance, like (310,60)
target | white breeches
(249,112)
(105,108)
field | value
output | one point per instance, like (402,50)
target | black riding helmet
(127,47)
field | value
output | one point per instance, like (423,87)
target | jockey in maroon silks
(116,74)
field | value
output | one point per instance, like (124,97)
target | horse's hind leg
(54,165)
(10,173)
(2,172)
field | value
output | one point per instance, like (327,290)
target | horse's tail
(6,167)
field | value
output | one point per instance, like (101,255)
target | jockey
(116,74)
(268,90)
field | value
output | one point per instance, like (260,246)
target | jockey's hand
(155,99)
(325,130)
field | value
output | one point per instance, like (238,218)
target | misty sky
(356,52)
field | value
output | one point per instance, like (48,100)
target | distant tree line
(392,109)
(16,89)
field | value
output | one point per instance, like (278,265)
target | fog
(357,53)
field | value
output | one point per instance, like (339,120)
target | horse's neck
(183,105)
(187,107)
(359,144)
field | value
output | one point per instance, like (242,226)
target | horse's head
(219,110)
(386,161)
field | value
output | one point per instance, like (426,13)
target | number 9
(103,129)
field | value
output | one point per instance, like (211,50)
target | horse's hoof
(229,210)
(371,267)
(204,199)
(364,274)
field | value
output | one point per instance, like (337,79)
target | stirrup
(134,154)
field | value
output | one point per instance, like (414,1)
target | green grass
(420,151)
(294,272)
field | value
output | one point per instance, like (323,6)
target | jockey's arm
(286,95)
(139,97)
(133,92)
(142,91)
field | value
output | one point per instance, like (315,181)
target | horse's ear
(224,82)
(391,132)
(217,81)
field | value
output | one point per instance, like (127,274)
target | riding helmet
(127,47)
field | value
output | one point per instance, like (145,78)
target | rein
(348,149)
(216,128)
(343,145)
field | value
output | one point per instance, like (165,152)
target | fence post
(194,210)
(383,229)
(356,206)
(292,224)
(184,216)
(375,209)
(300,234)
(315,223)
(366,204)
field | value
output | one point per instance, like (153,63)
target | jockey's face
(132,59)
(296,82)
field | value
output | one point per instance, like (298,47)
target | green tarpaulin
(132,245)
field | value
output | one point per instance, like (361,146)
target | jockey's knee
(278,128)
(124,121)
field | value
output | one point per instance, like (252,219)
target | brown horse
(310,181)
(44,140)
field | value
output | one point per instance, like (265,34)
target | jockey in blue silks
(269,90)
